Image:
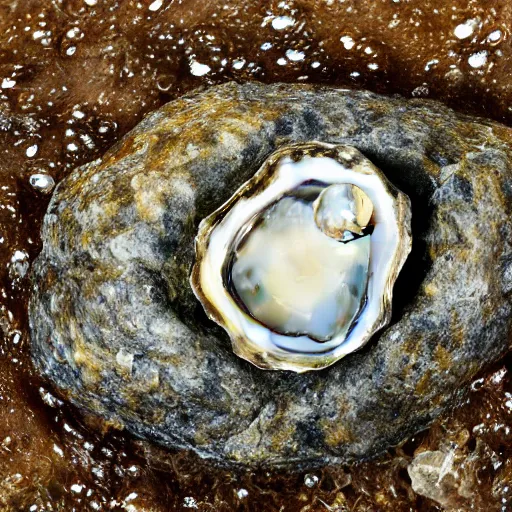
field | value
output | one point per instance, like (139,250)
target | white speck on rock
(125,359)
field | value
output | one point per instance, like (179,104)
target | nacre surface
(296,280)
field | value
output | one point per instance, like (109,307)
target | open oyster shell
(298,266)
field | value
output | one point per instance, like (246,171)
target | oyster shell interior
(298,266)
(295,279)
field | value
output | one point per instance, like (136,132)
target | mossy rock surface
(116,326)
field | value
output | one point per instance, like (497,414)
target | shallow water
(74,77)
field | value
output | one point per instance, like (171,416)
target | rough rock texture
(116,325)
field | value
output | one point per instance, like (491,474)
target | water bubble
(495,36)
(242,493)
(106,127)
(32,150)
(163,83)
(190,502)
(478,59)
(282,22)
(431,63)
(131,496)
(466,29)
(38,34)
(19,265)
(238,63)
(156,5)
(198,69)
(8,83)
(16,338)
(310,480)
(74,33)
(348,42)
(477,384)
(42,183)
(295,55)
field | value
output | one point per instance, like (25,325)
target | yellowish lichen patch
(443,358)
(424,382)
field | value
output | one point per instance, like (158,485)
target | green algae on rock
(115,323)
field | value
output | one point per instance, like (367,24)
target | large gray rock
(116,326)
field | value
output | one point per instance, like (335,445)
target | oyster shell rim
(296,361)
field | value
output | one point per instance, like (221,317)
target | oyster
(298,266)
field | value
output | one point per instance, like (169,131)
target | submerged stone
(115,323)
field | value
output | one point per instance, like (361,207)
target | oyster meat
(298,266)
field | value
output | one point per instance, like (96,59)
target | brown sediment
(34,425)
